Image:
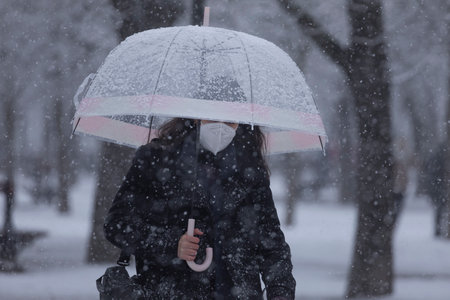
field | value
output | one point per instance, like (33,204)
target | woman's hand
(188,245)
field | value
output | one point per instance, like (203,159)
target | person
(213,172)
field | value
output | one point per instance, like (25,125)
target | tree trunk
(62,167)
(45,189)
(9,186)
(365,65)
(347,155)
(115,160)
(198,7)
(9,115)
(10,164)
(447,143)
(371,272)
(292,172)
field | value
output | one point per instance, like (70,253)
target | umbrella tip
(321,145)
(206,16)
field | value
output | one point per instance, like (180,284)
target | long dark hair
(173,132)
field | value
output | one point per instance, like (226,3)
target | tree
(364,63)
(58,68)
(41,61)
(437,22)
(14,60)
(136,16)
(446,179)
(419,85)
(294,185)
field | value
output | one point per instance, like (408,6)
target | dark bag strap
(124,259)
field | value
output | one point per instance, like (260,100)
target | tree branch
(141,15)
(317,33)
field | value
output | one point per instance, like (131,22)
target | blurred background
(379,72)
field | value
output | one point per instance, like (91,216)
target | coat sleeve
(136,221)
(276,265)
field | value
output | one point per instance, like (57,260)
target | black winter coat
(151,209)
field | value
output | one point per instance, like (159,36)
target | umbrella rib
(249,75)
(163,63)
(321,145)
(75,128)
(150,129)
(157,81)
(218,44)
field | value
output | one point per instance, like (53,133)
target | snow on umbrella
(182,71)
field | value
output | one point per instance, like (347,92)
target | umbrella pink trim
(114,130)
(167,106)
(135,136)
(292,141)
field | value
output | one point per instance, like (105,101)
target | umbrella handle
(209,251)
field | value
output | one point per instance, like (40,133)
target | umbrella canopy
(199,73)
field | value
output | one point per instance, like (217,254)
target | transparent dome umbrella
(199,73)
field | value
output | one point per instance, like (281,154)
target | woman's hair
(174,131)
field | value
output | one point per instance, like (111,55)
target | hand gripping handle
(209,251)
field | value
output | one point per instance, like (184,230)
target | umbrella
(198,73)
(164,73)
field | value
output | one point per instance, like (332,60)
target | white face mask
(216,136)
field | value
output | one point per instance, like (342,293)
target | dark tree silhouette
(198,7)
(445,221)
(446,179)
(11,88)
(137,15)
(364,63)
(347,159)
(294,185)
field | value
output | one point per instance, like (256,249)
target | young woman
(215,173)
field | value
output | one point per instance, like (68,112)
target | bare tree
(292,173)
(73,48)
(59,125)
(440,183)
(12,82)
(446,179)
(115,160)
(52,57)
(447,163)
(419,85)
(364,63)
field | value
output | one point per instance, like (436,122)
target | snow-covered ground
(321,243)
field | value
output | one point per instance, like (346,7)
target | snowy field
(321,244)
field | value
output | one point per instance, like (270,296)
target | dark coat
(150,212)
